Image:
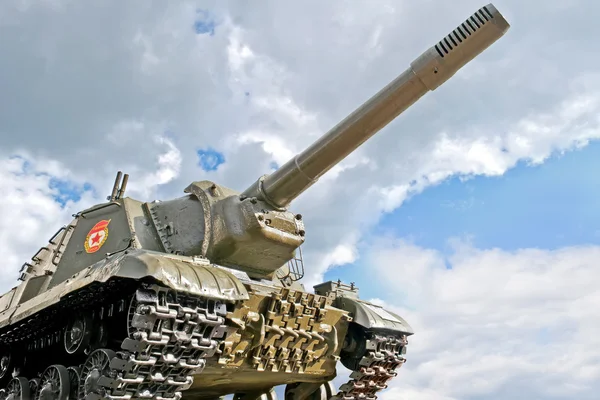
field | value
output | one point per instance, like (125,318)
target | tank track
(171,336)
(168,339)
(385,353)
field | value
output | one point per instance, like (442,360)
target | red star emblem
(96,238)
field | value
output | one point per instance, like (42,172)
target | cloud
(168,165)
(496,324)
(67,191)
(36,199)
(39,195)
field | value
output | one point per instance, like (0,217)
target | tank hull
(261,335)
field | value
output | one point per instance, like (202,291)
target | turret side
(216,223)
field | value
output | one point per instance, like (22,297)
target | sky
(472,215)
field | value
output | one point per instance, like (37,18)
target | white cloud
(168,167)
(534,138)
(497,324)
(29,213)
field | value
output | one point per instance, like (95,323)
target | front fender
(177,272)
(372,316)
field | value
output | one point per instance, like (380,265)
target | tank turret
(199,294)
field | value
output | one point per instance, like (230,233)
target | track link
(385,353)
(171,334)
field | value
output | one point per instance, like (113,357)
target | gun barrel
(427,72)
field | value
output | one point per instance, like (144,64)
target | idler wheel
(96,366)
(78,334)
(355,347)
(18,389)
(55,383)
(73,382)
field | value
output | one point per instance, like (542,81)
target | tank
(201,296)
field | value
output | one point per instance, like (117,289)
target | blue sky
(547,206)
(210,159)
(205,23)
(63,190)
(66,190)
